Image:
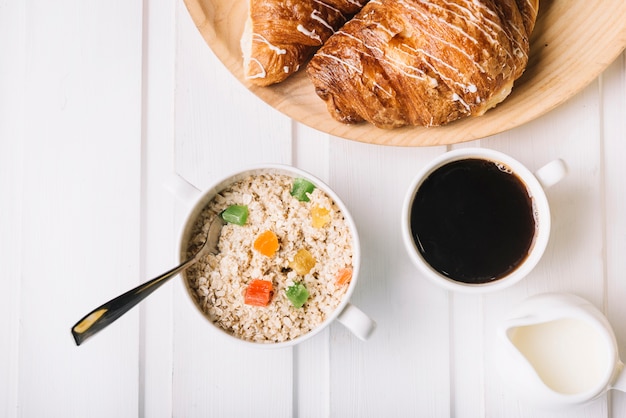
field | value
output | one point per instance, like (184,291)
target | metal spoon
(104,315)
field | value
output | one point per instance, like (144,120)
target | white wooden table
(103,101)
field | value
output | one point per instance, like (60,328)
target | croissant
(281,35)
(412,62)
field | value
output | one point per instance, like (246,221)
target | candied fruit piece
(259,293)
(301,188)
(266,243)
(302,262)
(235,214)
(343,276)
(297,294)
(320,216)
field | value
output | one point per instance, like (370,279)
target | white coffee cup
(534,183)
(347,314)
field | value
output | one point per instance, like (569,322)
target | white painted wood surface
(102,102)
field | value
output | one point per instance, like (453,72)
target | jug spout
(513,364)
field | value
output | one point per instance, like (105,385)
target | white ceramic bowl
(346,313)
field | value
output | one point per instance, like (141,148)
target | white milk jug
(558,350)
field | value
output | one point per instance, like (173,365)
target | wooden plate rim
(573,43)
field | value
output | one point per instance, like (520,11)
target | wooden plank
(403,370)
(159,234)
(467,366)
(12,117)
(613,128)
(81,143)
(213,377)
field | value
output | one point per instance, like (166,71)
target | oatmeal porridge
(284,261)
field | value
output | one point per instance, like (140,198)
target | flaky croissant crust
(281,35)
(411,62)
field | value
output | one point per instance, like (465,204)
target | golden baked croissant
(418,62)
(281,35)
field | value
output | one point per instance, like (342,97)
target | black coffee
(473,221)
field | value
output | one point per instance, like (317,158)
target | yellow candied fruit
(302,262)
(320,216)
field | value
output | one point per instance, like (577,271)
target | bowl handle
(182,189)
(357,321)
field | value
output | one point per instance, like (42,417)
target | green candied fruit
(235,214)
(297,294)
(300,189)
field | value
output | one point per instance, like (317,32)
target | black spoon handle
(106,314)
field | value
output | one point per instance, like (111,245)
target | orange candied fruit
(320,216)
(343,276)
(266,243)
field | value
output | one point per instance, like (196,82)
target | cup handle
(182,189)
(357,322)
(551,173)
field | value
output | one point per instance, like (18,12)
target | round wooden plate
(573,42)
